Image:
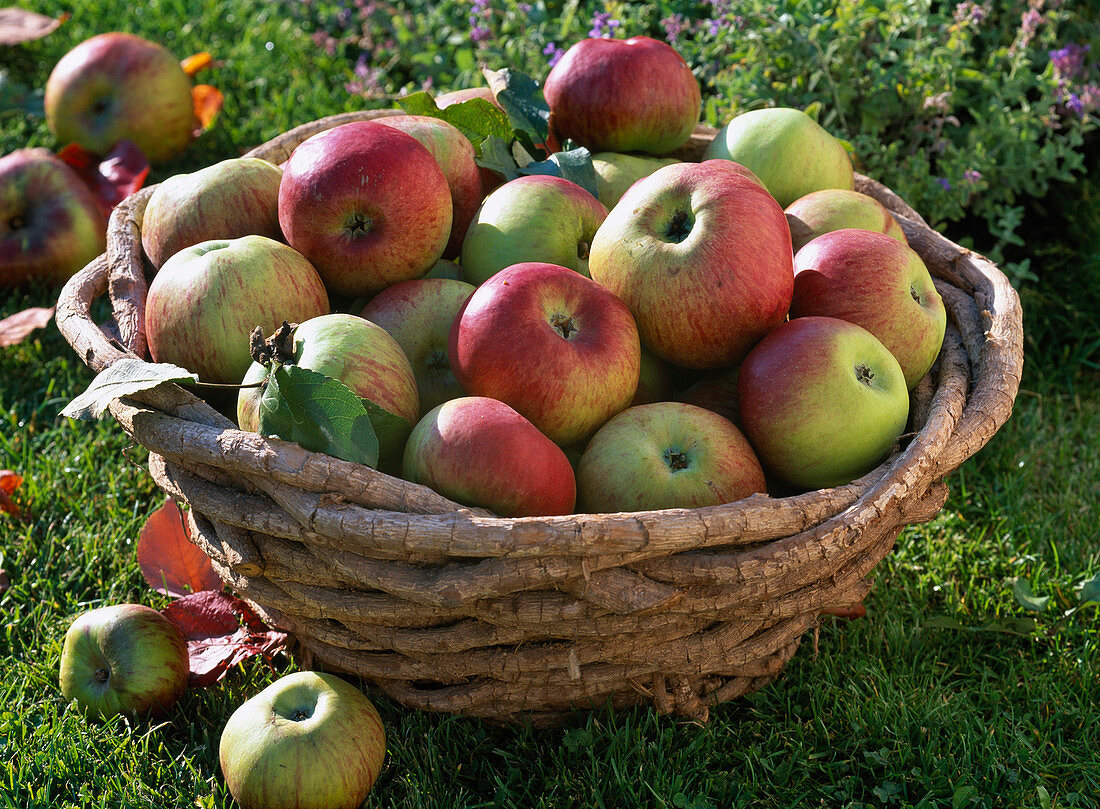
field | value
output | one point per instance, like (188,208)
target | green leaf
(963,796)
(392,431)
(522,99)
(1021,589)
(1090,591)
(497,156)
(574,165)
(1024,627)
(318,412)
(17,98)
(476,118)
(125,378)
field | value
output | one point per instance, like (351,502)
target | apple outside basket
(449,608)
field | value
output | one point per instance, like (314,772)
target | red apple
(879,283)
(50,223)
(701,254)
(716,392)
(116,86)
(367,204)
(623,95)
(481,452)
(836,208)
(555,345)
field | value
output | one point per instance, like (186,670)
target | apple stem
(582,250)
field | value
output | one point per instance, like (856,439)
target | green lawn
(948,693)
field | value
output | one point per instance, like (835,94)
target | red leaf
(208,103)
(849,611)
(9,482)
(221,631)
(112,178)
(15,328)
(18,26)
(168,559)
(5,582)
(196,62)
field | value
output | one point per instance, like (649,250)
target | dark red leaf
(221,631)
(9,482)
(849,611)
(168,559)
(18,25)
(5,582)
(15,328)
(111,178)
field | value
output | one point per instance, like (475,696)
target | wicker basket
(447,608)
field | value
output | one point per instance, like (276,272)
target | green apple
(835,209)
(616,172)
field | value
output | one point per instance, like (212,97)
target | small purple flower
(479,33)
(674,26)
(970,12)
(972,176)
(1069,62)
(554,52)
(603,25)
(944,182)
(1075,105)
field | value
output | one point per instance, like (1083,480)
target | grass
(948,694)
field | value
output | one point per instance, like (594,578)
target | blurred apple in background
(878,283)
(480,452)
(716,392)
(835,209)
(115,86)
(822,401)
(654,380)
(233,198)
(532,218)
(617,172)
(50,223)
(787,149)
(701,254)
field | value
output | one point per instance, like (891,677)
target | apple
(623,95)
(233,198)
(716,392)
(536,217)
(454,153)
(444,269)
(418,315)
(617,172)
(50,223)
(701,254)
(203,304)
(787,149)
(308,741)
(114,86)
(878,283)
(836,208)
(654,380)
(367,204)
(124,659)
(666,455)
(479,451)
(822,401)
(554,345)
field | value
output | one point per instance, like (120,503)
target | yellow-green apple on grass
(835,209)
(50,223)
(367,204)
(701,254)
(124,659)
(205,301)
(536,217)
(116,85)
(616,172)
(480,452)
(233,198)
(822,401)
(787,149)
(623,95)
(666,455)
(554,345)
(454,153)
(418,314)
(309,740)
(878,283)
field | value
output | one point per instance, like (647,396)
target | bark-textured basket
(448,608)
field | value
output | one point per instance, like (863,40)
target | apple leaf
(18,26)
(111,178)
(318,412)
(497,156)
(169,561)
(208,102)
(196,62)
(574,165)
(18,98)
(9,482)
(14,329)
(221,631)
(521,97)
(1021,589)
(1090,591)
(476,118)
(125,378)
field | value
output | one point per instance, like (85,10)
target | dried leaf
(169,561)
(849,611)
(112,178)
(14,329)
(221,631)
(9,482)
(5,582)
(208,103)
(18,25)
(196,62)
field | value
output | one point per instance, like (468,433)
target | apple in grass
(879,283)
(309,740)
(418,315)
(116,85)
(554,345)
(50,223)
(623,95)
(666,455)
(124,659)
(822,401)
(835,209)
(386,214)
(617,172)
(233,198)
(536,217)
(701,254)
(479,451)
(204,302)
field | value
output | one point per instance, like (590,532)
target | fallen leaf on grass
(208,103)
(9,482)
(15,328)
(169,561)
(221,631)
(5,582)
(111,178)
(849,611)
(196,62)
(18,25)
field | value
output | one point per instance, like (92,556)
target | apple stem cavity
(676,460)
(582,250)
(301,714)
(102,675)
(17,222)
(563,324)
(865,375)
(358,225)
(679,228)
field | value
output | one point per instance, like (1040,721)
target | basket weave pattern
(448,608)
